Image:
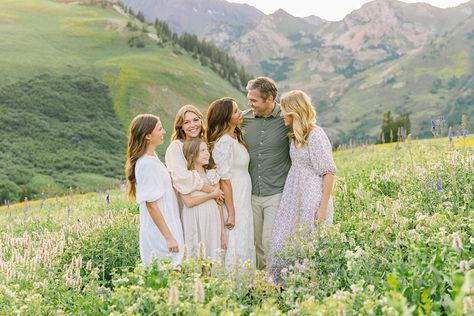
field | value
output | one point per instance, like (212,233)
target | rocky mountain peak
(280,13)
(377,10)
(315,20)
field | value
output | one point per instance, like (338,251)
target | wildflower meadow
(402,243)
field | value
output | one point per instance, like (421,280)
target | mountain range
(386,56)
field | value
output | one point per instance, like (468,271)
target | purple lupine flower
(42,204)
(439,185)
(450,135)
(457,133)
(107,199)
(441,118)
(433,126)
(464,134)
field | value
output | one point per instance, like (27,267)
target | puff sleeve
(222,155)
(150,186)
(184,181)
(320,152)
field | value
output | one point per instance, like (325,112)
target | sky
(331,10)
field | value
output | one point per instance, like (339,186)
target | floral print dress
(302,194)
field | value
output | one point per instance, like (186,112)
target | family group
(236,183)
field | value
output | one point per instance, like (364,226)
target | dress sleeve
(212,176)
(222,155)
(149,184)
(320,152)
(184,181)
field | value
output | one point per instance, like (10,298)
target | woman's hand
(172,244)
(217,194)
(321,215)
(230,222)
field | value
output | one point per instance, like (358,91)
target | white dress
(154,184)
(232,160)
(202,223)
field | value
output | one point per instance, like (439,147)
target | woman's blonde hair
(191,150)
(141,126)
(178,132)
(298,105)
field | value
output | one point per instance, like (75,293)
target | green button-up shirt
(268,145)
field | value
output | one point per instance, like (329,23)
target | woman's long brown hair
(218,123)
(140,126)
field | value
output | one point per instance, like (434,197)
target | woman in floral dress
(306,200)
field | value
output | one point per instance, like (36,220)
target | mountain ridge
(411,52)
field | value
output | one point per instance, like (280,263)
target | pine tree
(141,17)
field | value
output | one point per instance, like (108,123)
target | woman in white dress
(187,125)
(231,159)
(161,232)
(203,218)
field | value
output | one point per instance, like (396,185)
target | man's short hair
(266,86)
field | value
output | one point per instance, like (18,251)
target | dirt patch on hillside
(7,20)
(115,24)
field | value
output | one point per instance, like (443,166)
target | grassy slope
(42,36)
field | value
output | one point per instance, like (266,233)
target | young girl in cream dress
(202,217)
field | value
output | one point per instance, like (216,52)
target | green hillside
(436,79)
(58,132)
(71,83)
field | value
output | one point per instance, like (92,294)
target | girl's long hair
(178,132)
(218,123)
(191,151)
(140,126)
(298,104)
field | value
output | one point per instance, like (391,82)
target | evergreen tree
(209,55)
(141,17)
(391,128)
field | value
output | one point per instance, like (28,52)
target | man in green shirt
(266,136)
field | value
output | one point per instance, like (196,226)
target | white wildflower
(464,265)
(173,296)
(456,241)
(198,291)
(467,305)
(355,289)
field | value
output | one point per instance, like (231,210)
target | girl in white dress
(231,159)
(203,218)
(148,180)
